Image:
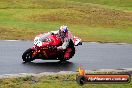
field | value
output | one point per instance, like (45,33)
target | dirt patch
(87,16)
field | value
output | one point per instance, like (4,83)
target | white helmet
(63,31)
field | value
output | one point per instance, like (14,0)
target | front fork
(35,52)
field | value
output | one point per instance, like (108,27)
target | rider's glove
(52,33)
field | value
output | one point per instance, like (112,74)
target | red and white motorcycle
(46,50)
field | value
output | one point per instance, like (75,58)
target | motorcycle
(47,50)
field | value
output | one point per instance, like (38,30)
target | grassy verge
(112,4)
(96,34)
(53,81)
(88,19)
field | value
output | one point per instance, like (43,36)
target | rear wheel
(63,60)
(71,45)
(27,55)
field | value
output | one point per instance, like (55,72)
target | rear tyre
(62,60)
(27,55)
(71,45)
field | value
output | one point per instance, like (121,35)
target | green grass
(88,19)
(53,81)
(118,3)
(115,4)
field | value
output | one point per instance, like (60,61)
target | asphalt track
(89,55)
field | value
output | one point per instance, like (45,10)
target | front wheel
(27,55)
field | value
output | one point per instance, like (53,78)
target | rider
(63,34)
(65,37)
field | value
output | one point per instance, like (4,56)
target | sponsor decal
(83,78)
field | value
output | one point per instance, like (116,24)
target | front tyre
(27,55)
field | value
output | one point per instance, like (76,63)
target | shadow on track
(51,66)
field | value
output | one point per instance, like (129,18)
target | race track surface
(89,55)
